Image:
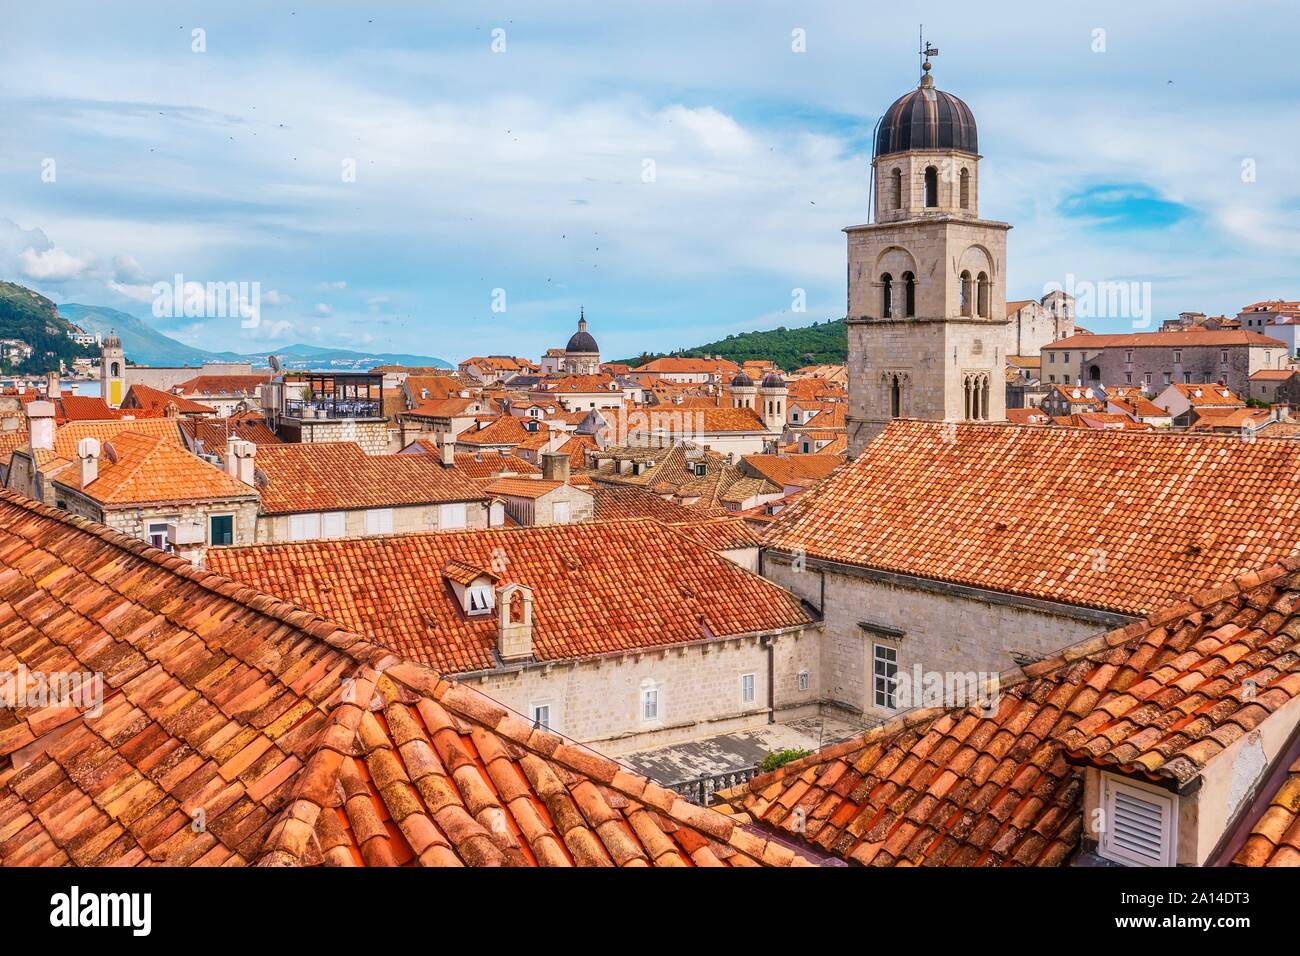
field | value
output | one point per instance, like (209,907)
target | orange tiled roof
(152,469)
(302,743)
(785,470)
(225,386)
(688,366)
(1209,419)
(339,476)
(1274,838)
(1159,698)
(1272,375)
(1209,395)
(66,436)
(599,587)
(719,534)
(522,487)
(215,433)
(83,408)
(1028,416)
(485,465)
(1089,341)
(614,502)
(503,430)
(1169,513)
(154,403)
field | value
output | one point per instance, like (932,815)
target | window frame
(649,694)
(304,519)
(1113,786)
(891,694)
(547,705)
(750,679)
(379,521)
(228,515)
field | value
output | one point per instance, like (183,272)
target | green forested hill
(816,344)
(34,319)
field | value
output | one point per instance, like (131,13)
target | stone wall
(598,700)
(944,628)
(1196,364)
(373,434)
(274,529)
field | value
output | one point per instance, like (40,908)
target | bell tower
(112,370)
(927,276)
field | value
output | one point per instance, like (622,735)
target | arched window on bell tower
(984,399)
(886,296)
(895,398)
(965,293)
(909,294)
(965,188)
(982,295)
(931,186)
(896,188)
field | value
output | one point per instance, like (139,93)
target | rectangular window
(452,515)
(304,527)
(379,521)
(746,688)
(560,512)
(542,715)
(649,703)
(1139,826)
(1223,356)
(1169,377)
(221,529)
(1066,358)
(333,524)
(1128,378)
(1178,356)
(803,680)
(1146,377)
(157,534)
(885,675)
(1187,378)
(1051,358)
(1128,355)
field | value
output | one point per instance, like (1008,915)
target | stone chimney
(40,423)
(448,448)
(241,460)
(555,467)
(514,623)
(53,388)
(88,452)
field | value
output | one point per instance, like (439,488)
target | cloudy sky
(387,177)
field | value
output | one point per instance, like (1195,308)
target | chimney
(53,390)
(240,460)
(88,452)
(448,452)
(555,467)
(514,623)
(40,422)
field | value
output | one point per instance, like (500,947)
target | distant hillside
(145,345)
(816,344)
(142,343)
(34,319)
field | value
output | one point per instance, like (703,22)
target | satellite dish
(274,362)
(110,452)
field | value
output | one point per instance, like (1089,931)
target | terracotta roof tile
(645,584)
(957,502)
(328,476)
(977,786)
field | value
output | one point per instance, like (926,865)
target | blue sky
(524,170)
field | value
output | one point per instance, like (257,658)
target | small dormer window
(479,599)
(700,469)
(1139,825)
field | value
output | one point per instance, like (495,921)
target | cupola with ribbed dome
(926,159)
(582,354)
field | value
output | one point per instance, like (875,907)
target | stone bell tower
(927,276)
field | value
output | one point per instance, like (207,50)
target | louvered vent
(1140,828)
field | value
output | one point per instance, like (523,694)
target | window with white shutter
(1138,825)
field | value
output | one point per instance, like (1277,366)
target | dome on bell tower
(927,118)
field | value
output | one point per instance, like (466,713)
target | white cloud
(323,309)
(127,269)
(52,265)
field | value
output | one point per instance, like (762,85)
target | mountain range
(147,346)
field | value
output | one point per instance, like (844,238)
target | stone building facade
(367,522)
(927,317)
(934,625)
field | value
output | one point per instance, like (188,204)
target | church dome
(111,341)
(927,118)
(581,340)
(773,380)
(742,381)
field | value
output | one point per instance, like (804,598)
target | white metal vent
(1138,826)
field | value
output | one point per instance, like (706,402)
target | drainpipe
(770,641)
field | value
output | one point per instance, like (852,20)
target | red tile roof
(225,386)
(785,470)
(958,502)
(301,743)
(971,786)
(599,587)
(1090,341)
(503,431)
(1274,838)
(522,487)
(614,502)
(1209,395)
(152,469)
(154,403)
(339,476)
(215,433)
(1272,375)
